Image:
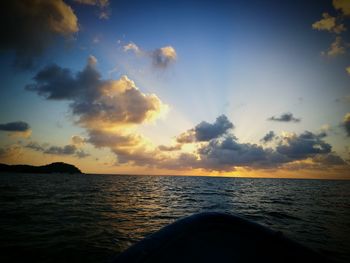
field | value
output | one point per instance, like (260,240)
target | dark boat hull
(217,237)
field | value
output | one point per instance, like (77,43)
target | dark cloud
(57,150)
(69,149)
(285,117)
(29,27)
(346,123)
(35,146)
(227,153)
(329,159)
(303,146)
(268,137)
(205,131)
(96,101)
(18,126)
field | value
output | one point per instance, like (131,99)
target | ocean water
(92,218)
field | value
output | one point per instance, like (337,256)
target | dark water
(65,218)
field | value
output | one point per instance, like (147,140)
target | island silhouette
(57,167)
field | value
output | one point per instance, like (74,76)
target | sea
(93,218)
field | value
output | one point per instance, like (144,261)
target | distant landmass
(58,167)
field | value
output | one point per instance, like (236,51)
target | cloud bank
(112,110)
(66,150)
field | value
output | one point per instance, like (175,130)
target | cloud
(96,101)
(10,151)
(18,126)
(303,146)
(161,57)
(92,61)
(102,4)
(132,47)
(57,150)
(78,141)
(35,146)
(29,27)
(348,70)
(346,123)
(335,25)
(112,139)
(205,131)
(165,148)
(112,110)
(329,23)
(68,150)
(343,6)
(329,159)
(109,110)
(336,48)
(16,129)
(285,117)
(81,154)
(268,137)
(104,14)
(228,153)
(186,137)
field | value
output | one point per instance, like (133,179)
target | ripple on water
(94,217)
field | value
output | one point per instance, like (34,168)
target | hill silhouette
(58,167)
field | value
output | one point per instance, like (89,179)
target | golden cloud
(343,6)
(328,23)
(336,48)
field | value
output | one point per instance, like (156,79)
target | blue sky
(247,60)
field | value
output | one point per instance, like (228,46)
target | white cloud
(161,57)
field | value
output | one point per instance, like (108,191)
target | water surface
(92,218)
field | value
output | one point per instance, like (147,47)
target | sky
(221,88)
